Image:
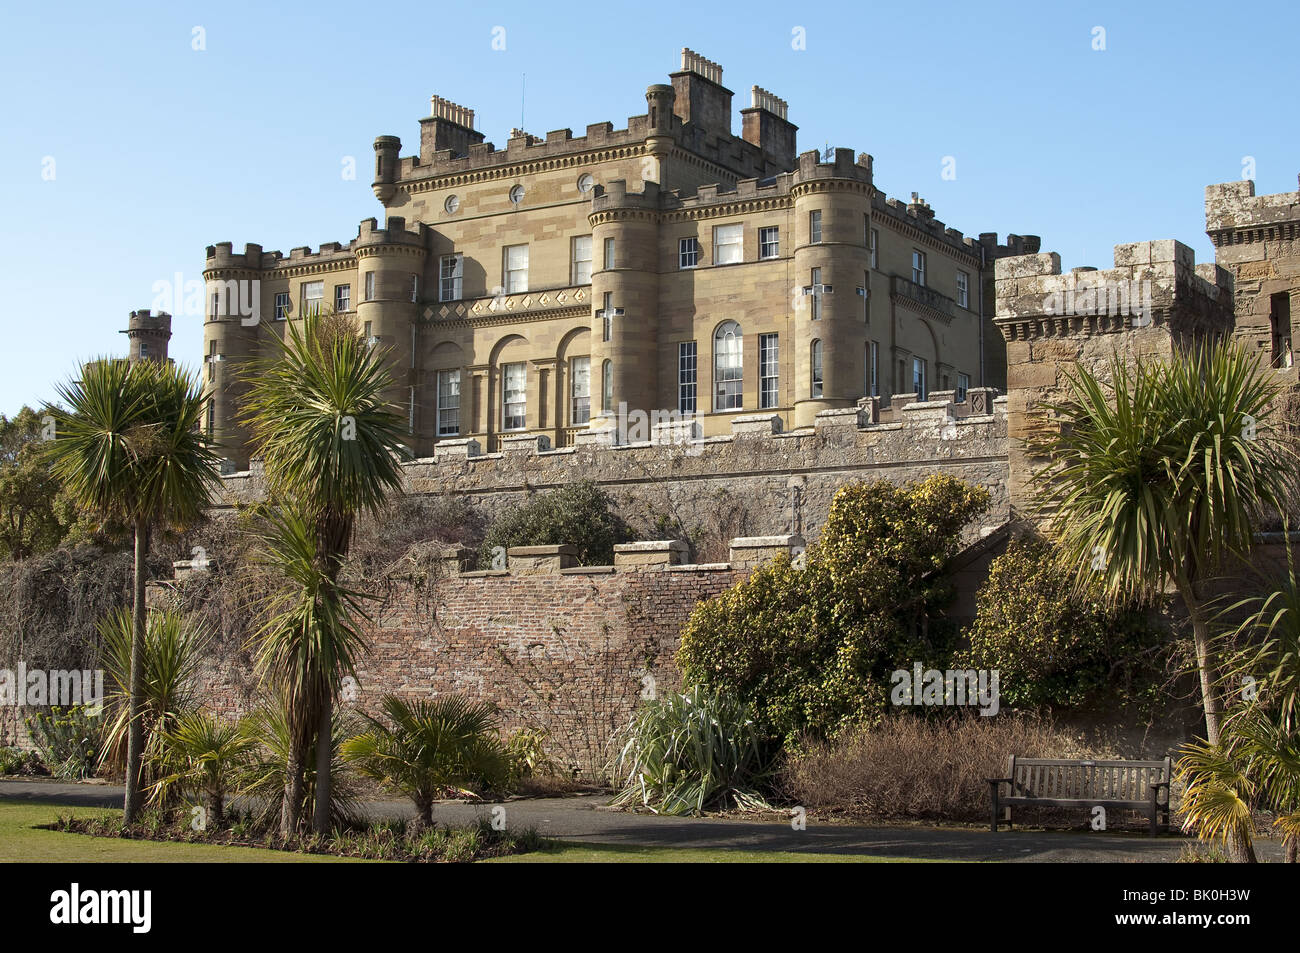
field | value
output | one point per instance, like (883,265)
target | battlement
(395,232)
(1150,281)
(917,214)
(1234,205)
(843,166)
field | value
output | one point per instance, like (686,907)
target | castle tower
(148,335)
(832,206)
(232,326)
(391,271)
(387,149)
(625,299)
(1257,238)
(1154,302)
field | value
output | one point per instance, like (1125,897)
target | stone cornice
(1031,327)
(1285,230)
(922,237)
(920,308)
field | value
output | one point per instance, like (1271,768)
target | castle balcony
(926,300)
(502,305)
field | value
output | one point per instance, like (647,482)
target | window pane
(769,363)
(514,403)
(582,260)
(727,247)
(448,403)
(816,369)
(728,369)
(580,390)
(688,253)
(451,268)
(769,242)
(686,377)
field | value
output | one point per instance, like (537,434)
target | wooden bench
(1057,782)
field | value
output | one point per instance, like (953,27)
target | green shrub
(68,739)
(1054,647)
(689,752)
(580,515)
(16,761)
(812,649)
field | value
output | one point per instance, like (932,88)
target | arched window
(816,369)
(607,386)
(728,367)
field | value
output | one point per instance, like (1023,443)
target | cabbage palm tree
(1159,477)
(128,445)
(331,445)
(305,647)
(430,747)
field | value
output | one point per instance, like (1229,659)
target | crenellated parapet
(1154,302)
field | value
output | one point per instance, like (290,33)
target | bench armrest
(998,780)
(1159,784)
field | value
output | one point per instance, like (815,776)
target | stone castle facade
(670,267)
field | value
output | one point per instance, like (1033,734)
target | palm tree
(128,445)
(1156,479)
(203,755)
(431,747)
(331,445)
(1217,796)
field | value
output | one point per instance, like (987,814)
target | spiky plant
(202,756)
(429,748)
(128,446)
(691,751)
(319,416)
(1159,476)
(169,662)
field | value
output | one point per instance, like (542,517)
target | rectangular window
(815,227)
(451,273)
(368,334)
(873,368)
(581,260)
(609,253)
(212,418)
(873,244)
(415,289)
(963,385)
(607,317)
(1280,325)
(769,371)
(579,391)
(514,397)
(370,286)
(686,377)
(688,253)
(918,377)
(282,305)
(515,268)
(342,298)
(216,304)
(963,289)
(769,242)
(816,365)
(816,291)
(918,267)
(727,244)
(313,293)
(448,403)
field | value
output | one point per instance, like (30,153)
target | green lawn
(22,839)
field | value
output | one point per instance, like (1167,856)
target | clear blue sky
(160,149)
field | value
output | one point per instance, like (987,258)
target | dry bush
(923,768)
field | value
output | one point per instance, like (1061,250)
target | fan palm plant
(1217,796)
(331,444)
(431,747)
(203,756)
(1157,478)
(128,446)
(168,664)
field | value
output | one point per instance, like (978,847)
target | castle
(669,267)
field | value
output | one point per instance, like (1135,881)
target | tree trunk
(291,809)
(1204,665)
(1241,849)
(324,757)
(135,727)
(1289,856)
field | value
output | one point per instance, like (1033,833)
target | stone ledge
(651,553)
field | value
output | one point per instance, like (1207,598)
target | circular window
(452,204)
(517,194)
(585,182)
